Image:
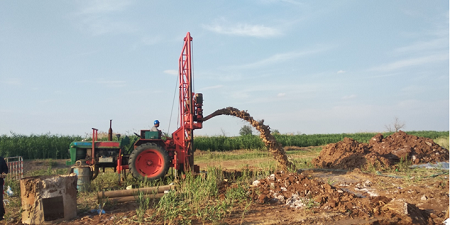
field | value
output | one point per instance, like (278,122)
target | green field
(43,146)
(222,143)
(46,146)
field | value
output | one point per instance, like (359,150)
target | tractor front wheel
(149,161)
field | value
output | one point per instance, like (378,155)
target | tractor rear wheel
(149,161)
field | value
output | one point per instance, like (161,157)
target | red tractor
(152,156)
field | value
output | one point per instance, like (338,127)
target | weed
(246,209)
(330,181)
(309,203)
(403,165)
(443,142)
(51,164)
(238,192)
(369,168)
(143,205)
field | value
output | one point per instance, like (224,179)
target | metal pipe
(147,191)
(94,139)
(131,198)
(110,132)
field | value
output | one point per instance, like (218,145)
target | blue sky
(302,66)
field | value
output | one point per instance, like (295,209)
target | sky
(305,67)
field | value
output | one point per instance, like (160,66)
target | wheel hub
(149,162)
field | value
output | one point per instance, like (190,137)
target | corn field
(223,143)
(45,146)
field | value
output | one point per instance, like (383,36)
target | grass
(256,159)
(442,141)
(197,199)
(232,155)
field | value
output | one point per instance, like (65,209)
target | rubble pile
(298,191)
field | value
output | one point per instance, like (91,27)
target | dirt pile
(274,147)
(298,191)
(350,154)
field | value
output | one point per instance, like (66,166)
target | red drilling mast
(190,105)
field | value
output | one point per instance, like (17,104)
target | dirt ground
(353,197)
(336,191)
(324,197)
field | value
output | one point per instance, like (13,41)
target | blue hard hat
(156,122)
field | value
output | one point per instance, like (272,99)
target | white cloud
(413,89)
(96,18)
(258,93)
(107,83)
(99,26)
(171,72)
(385,75)
(240,95)
(12,81)
(229,77)
(293,2)
(440,43)
(285,1)
(277,58)
(347,97)
(409,104)
(410,62)
(340,71)
(112,83)
(151,40)
(243,29)
(45,101)
(211,87)
(102,6)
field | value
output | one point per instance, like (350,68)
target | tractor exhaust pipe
(110,132)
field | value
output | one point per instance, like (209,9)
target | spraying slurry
(274,147)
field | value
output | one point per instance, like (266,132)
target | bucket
(83,172)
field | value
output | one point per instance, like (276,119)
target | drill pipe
(132,192)
(131,198)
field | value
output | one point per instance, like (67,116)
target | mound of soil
(350,154)
(298,191)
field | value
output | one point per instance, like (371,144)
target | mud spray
(274,147)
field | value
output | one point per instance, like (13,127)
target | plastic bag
(9,192)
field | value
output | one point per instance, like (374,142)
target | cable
(192,64)
(174,94)
(173,102)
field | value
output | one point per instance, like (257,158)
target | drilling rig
(152,155)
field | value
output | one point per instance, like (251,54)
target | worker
(155,128)
(3,172)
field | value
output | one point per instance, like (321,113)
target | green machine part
(77,150)
(152,135)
